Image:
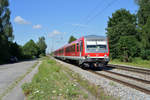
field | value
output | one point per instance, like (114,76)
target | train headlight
(105,56)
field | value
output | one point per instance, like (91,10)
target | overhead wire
(99,12)
(88,16)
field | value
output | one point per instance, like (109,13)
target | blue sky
(57,20)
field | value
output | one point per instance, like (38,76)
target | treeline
(6,31)
(71,39)
(7,47)
(129,34)
(34,50)
(28,51)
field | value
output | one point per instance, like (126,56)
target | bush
(127,48)
(145,54)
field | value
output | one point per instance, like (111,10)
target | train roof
(87,37)
(95,37)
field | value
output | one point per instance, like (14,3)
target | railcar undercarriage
(93,62)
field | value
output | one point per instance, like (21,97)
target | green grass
(138,62)
(56,82)
(51,83)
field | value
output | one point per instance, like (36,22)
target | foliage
(15,50)
(71,39)
(143,17)
(127,48)
(129,35)
(6,31)
(145,54)
(7,47)
(42,46)
(30,49)
(121,26)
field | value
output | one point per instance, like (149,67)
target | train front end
(96,51)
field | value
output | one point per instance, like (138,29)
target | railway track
(132,85)
(129,84)
(127,76)
(133,69)
(141,88)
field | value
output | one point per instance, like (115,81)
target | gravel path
(10,72)
(110,87)
(17,93)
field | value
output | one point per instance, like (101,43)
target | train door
(81,44)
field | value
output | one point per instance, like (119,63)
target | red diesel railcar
(87,51)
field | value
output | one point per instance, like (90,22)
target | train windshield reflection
(96,46)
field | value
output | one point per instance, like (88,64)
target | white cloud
(54,32)
(38,26)
(80,25)
(20,20)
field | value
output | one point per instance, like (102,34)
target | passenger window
(77,47)
(81,46)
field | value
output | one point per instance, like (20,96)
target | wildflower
(53,91)
(37,91)
(42,92)
(74,85)
(60,89)
(67,90)
(74,80)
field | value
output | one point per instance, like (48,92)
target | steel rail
(133,69)
(123,82)
(127,76)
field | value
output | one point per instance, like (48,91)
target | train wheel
(82,66)
(91,66)
(105,64)
(78,63)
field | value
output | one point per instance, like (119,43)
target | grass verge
(15,83)
(95,90)
(52,83)
(138,62)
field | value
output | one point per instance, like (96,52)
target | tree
(30,49)
(143,17)
(42,46)
(15,50)
(6,30)
(127,48)
(120,25)
(71,39)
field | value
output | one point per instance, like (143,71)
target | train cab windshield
(96,46)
